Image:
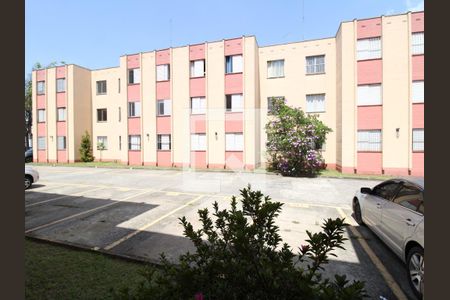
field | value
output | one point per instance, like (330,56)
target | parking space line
(85,212)
(62,197)
(130,235)
(44,188)
(373,257)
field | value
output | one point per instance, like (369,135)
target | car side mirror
(366,190)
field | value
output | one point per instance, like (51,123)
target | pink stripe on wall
(198,159)
(134,158)
(198,123)
(370,117)
(197,87)
(370,71)
(40,101)
(62,156)
(233,47)
(369,163)
(163,125)
(134,92)
(61,128)
(418,115)
(418,164)
(368,28)
(40,75)
(61,99)
(61,72)
(42,156)
(233,83)
(234,160)
(234,122)
(133,61)
(417,22)
(134,125)
(41,129)
(163,90)
(197,52)
(164,158)
(418,67)
(163,57)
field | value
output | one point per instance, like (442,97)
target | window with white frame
(134,109)
(233,64)
(234,102)
(197,68)
(41,115)
(369,140)
(60,85)
(134,76)
(315,64)
(417,43)
(134,142)
(418,140)
(275,68)
(61,114)
(41,143)
(369,94)
(315,103)
(418,91)
(102,143)
(61,143)
(198,105)
(368,48)
(101,87)
(198,142)
(164,142)
(102,115)
(164,107)
(270,101)
(234,142)
(40,88)
(162,72)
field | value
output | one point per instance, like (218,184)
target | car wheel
(28,182)
(357,212)
(28,159)
(415,265)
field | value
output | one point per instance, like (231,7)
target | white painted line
(44,188)
(63,196)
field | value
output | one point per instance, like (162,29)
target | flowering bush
(294,140)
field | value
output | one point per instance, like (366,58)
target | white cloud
(414,5)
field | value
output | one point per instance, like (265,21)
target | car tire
(28,181)
(357,215)
(415,264)
(28,159)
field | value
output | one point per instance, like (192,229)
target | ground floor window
(198,142)
(102,143)
(418,140)
(234,142)
(369,140)
(61,143)
(164,142)
(134,142)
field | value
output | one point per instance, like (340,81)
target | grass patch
(337,174)
(58,272)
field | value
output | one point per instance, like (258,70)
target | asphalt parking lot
(134,213)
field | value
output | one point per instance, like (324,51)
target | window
(418,140)
(369,140)
(120,142)
(134,76)
(198,105)
(409,197)
(134,109)
(120,114)
(41,115)
(234,142)
(41,143)
(61,114)
(315,103)
(418,91)
(162,73)
(102,142)
(233,64)
(118,86)
(134,142)
(163,141)
(275,68)
(270,101)
(368,48)
(198,142)
(198,68)
(369,94)
(164,107)
(40,89)
(235,103)
(102,115)
(417,43)
(101,87)
(315,64)
(60,85)
(61,143)
(385,190)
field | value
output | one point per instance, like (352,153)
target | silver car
(394,211)
(31,176)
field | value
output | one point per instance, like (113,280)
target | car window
(410,197)
(385,190)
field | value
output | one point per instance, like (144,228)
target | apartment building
(206,105)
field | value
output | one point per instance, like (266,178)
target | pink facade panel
(197,87)
(198,159)
(234,122)
(233,47)
(417,22)
(40,75)
(61,128)
(234,160)
(41,129)
(134,125)
(61,100)
(418,67)
(163,57)
(418,164)
(163,90)
(369,163)
(198,123)
(370,71)
(164,158)
(134,158)
(233,83)
(40,101)
(61,72)
(197,52)
(133,61)
(163,125)
(370,117)
(42,156)
(418,112)
(134,92)
(368,28)
(62,156)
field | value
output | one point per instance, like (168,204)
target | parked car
(31,176)
(394,211)
(29,155)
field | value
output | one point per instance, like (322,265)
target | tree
(86,148)
(294,141)
(101,146)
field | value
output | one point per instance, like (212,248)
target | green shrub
(86,148)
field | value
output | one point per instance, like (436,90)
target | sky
(95,33)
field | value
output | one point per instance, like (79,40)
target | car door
(401,216)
